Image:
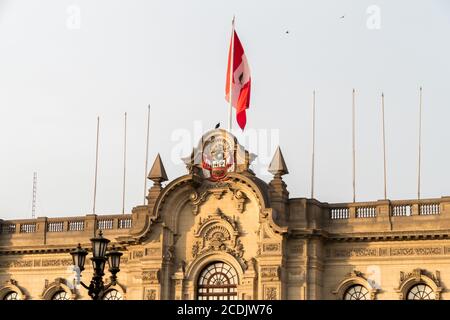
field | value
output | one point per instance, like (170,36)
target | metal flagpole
(313,142)
(96,165)
(353,139)
(420,143)
(146,154)
(230,108)
(124,162)
(384,147)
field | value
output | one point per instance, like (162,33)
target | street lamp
(99,257)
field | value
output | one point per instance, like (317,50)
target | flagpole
(384,146)
(146,154)
(420,143)
(96,165)
(124,162)
(353,140)
(230,108)
(313,142)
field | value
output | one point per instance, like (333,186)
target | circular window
(11,296)
(421,292)
(113,295)
(218,281)
(356,292)
(61,295)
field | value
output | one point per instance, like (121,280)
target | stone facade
(263,244)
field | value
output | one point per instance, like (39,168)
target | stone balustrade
(70,230)
(387,215)
(395,208)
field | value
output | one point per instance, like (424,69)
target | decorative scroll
(217,190)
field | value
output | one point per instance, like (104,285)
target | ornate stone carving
(383,251)
(241,199)
(271,247)
(409,279)
(217,232)
(218,190)
(196,201)
(56,262)
(355,252)
(11,282)
(150,276)
(195,249)
(417,274)
(422,251)
(270,293)
(150,294)
(270,272)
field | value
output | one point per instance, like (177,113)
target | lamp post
(99,257)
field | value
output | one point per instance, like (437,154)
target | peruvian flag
(240,79)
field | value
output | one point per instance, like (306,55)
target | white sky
(55,80)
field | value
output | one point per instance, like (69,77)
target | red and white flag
(240,80)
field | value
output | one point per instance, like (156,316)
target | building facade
(220,232)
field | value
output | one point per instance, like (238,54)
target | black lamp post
(99,257)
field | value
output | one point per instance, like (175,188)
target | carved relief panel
(217,232)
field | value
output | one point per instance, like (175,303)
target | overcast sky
(62,63)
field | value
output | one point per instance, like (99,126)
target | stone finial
(277,165)
(157,173)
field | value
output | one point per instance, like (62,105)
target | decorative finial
(278,165)
(157,172)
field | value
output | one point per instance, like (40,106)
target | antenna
(33,206)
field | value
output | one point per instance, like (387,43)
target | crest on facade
(218,153)
(217,158)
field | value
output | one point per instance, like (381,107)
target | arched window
(355,286)
(113,294)
(11,291)
(419,284)
(11,296)
(61,295)
(357,292)
(421,291)
(218,281)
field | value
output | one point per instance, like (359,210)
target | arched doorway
(218,281)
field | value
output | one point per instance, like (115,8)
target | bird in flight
(217,126)
(343,17)
(287,31)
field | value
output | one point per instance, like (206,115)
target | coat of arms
(217,158)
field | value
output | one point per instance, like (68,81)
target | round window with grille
(11,296)
(61,295)
(218,281)
(357,292)
(113,295)
(421,292)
